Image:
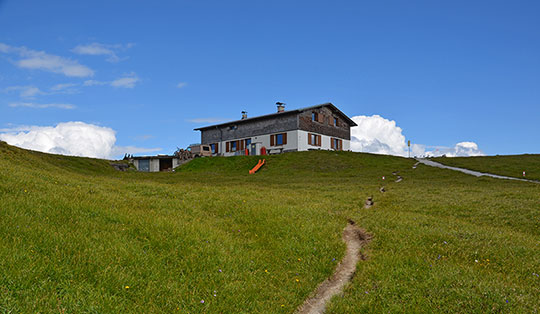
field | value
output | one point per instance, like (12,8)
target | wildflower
(266,270)
(283,305)
(25,191)
(220,270)
(297,280)
(476,261)
(127,287)
(202,301)
(333,259)
(445,242)
(299,259)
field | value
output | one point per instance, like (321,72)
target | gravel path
(471,172)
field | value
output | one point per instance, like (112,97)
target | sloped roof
(272,115)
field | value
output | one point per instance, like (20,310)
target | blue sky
(444,71)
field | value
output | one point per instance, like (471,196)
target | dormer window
(315,117)
(335,121)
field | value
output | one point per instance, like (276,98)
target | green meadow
(76,236)
(507,165)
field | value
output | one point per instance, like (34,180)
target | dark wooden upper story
(324,119)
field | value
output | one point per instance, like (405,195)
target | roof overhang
(272,115)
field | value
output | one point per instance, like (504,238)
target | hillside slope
(511,166)
(78,236)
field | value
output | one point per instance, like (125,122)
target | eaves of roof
(272,115)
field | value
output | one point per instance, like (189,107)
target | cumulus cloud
(41,106)
(462,149)
(96,49)
(126,82)
(40,60)
(70,138)
(375,134)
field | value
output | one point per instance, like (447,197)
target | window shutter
(272,140)
(284,138)
(332,140)
(340,144)
(321,118)
(319,142)
(216,148)
(309,138)
(228,147)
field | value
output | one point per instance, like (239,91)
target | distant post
(409,144)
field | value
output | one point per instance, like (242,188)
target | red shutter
(332,143)
(272,140)
(340,144)
(238,145)
(309,138)
(319,140)
(217,148)
(321,118)
(284,138)
(228,147)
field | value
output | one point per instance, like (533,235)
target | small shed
(155,163)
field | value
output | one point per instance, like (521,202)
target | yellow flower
(299,259)
(127,287)
(266,270)
(297,280)
(25,191)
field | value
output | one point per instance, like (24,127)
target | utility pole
(409,144)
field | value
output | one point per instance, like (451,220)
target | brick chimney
(280,106)
(244,115)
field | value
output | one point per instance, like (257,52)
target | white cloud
(94,83)
(126,82)
(462,149)
(25,91)
(63,87)
(39,60)
(206,120)
(97,49)
(41,106)
(375,134)
(181,84)
(70,138)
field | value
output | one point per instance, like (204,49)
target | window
(233,146)
(248,142)
(314,139)
(278,139)
(337,144)
(314,116)
(214,148)
(335,121)
(206,148)
(233,127)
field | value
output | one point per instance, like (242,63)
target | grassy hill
(511,166)
(78,236)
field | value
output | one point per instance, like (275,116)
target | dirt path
(471,172)
(354,237)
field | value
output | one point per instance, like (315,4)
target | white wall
(292,143)
(326,143)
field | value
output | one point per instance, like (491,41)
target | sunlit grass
(78,236)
